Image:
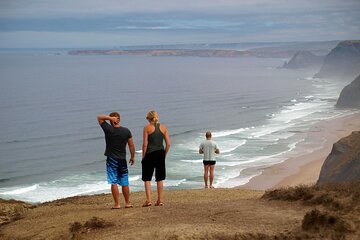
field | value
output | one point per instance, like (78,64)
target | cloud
(23,39)
(126,22)
(84,8)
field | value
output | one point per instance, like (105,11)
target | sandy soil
(187,214)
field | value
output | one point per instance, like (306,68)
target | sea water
(52,147)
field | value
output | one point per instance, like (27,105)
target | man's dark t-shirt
(116,140)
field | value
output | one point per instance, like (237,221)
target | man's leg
(126,193)
(112,177)
(212,167)
(123,178)
(206,175)
(115,194)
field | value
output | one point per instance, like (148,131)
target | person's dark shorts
(154,161)
(117,171)
(209,162)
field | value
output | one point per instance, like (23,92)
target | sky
(116,23)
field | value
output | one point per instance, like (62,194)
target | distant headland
(276,50)
(167,52)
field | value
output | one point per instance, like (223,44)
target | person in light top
(209,148)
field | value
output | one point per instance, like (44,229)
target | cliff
(304,59)
(343,62)
(350,95)
(343,163)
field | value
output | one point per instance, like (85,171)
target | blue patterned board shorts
(117,171)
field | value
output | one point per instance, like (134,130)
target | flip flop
(115,208)
(147,204)
(159,204)
(129,206)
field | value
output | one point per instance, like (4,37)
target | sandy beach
(305,169)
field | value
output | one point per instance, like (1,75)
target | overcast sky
(113,23)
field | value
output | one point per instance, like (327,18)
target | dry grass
(317,220)
(339,208)
(303,212)
(218,236)
(76,228)
(339,197)
(301,192)
(12,210)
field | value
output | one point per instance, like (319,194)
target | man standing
(116,138)
(209,149)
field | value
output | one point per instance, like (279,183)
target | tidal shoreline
(305,168)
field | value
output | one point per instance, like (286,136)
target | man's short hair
(115,114)
(208,134)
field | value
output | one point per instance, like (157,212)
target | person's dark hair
(208,134)
(114,114)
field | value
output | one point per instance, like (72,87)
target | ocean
(52,147)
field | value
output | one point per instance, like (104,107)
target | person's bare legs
(126,193)
(148,193)
(115,194)
(160,192)
(206,175)
(212,167)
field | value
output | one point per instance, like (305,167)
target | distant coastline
(226,53)
(167,52)
(270,50)
(181,52)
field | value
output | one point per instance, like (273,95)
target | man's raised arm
(102,118)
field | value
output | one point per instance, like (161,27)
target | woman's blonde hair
(152,116)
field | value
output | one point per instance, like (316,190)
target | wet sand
(305,169)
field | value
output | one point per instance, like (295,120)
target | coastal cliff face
(350,95)
(304,59)
(343,163)
(343,62)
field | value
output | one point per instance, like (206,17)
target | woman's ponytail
(153,117)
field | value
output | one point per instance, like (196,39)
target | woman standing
(153,156)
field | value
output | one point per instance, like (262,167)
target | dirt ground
(191,214)
(186,214)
